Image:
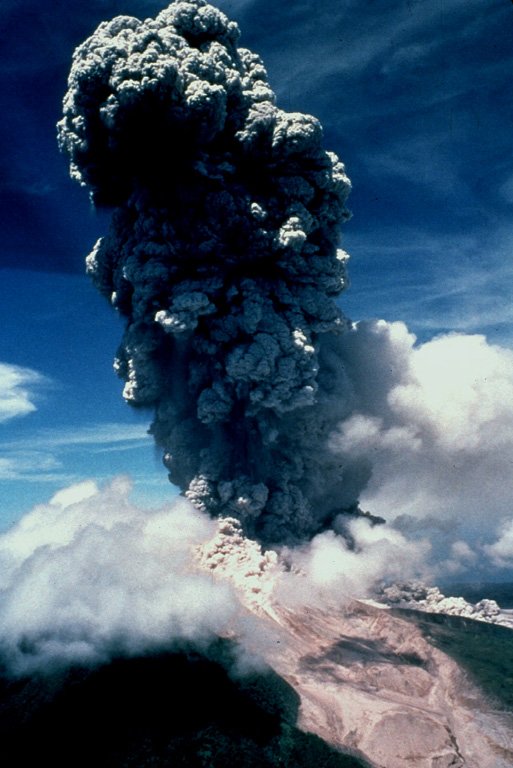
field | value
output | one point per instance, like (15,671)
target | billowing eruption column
(223,256)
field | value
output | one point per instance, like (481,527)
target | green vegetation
(164,711)
(213,748)
(484,650)
(307,750)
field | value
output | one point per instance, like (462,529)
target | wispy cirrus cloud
(435,282)
(41,461)
(32,466)
(410,43)
(97,437)
(19,389)
(49,455)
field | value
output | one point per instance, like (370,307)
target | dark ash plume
(223,256)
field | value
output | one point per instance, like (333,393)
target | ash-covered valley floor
(371,680)
(345,687)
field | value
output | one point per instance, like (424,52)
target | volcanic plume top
(223,254)
(149,101)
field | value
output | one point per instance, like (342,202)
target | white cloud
(90,574)
(436,282)
(50,455)
(436,423)
(19,388)
(461,558)
(99,437)
(501,551)
(66,497)
(329,565)
(459,392)
(30,466)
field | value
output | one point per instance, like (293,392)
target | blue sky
(416,98)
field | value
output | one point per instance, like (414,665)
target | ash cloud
(223,255)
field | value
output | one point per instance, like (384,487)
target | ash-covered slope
(371,681)
(368,680)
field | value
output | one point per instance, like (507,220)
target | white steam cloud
(434,424)
(89,576)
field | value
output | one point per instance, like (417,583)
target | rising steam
(90,576)
(223,255)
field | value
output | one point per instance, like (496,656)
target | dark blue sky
(415,96)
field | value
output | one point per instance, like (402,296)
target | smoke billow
(223,256)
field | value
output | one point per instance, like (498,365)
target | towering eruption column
(223,257)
